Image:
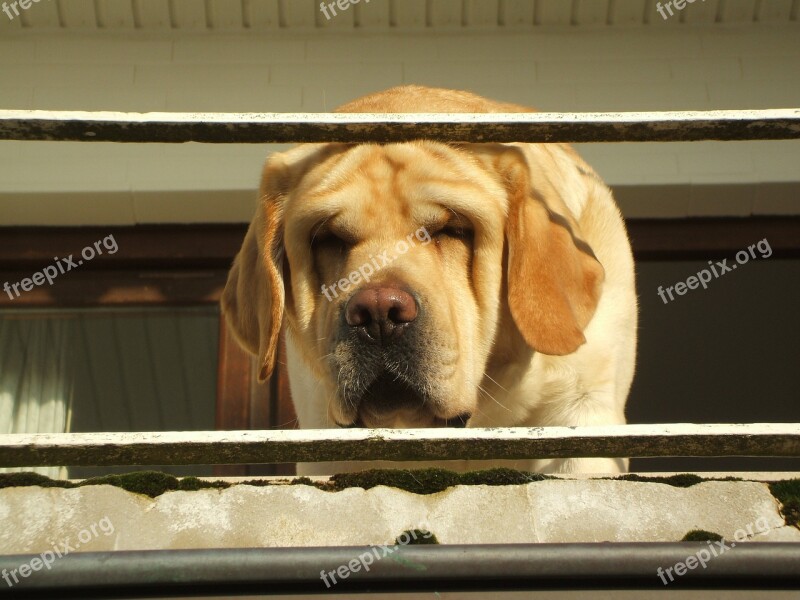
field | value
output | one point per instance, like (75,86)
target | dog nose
(380,314)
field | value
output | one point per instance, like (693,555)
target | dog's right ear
(254,297)
(554,278)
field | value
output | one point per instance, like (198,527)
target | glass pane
(96,370)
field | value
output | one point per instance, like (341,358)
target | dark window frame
(187,265)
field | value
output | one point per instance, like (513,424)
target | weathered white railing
(319,445)
(773,124)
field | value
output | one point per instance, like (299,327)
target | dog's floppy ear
(554,279)
(254,296)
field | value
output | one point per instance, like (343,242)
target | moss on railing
(788,494)
(701,535)
(417,481)
(431,481)
(149,483)
(416,536)
(683,480)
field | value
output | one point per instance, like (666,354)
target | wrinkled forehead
(406,181)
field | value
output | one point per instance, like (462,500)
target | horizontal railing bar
(321,445)
(772,124)
(240,572)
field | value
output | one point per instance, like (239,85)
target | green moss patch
(303,481)
(421,481)
(149,483)
(430,481)
(417,481)
(26,479)
(701,535)
(787,493)
(192,484)
(500,477)
(416,536)
(153,483)
(683,480)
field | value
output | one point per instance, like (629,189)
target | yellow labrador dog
(428,284)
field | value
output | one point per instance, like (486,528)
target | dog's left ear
(554,278)
(254,297)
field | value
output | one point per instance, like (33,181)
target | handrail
(256,128)
(320,445)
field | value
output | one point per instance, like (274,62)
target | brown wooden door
(243,403)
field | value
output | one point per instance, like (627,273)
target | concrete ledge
(242,516)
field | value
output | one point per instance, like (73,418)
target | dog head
(403,270)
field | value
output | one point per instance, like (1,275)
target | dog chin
(400,419)
(392,404)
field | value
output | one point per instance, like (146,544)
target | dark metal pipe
(231,572)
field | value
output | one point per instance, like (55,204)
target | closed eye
(323,236)
(456,231)
(456,227)
(329,242)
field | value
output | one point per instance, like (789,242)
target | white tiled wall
(568,69)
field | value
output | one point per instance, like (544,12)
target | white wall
(569,69)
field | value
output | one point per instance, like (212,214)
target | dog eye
(330,241)
(457,232)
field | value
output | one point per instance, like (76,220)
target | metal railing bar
(321,445)
(232,572)
(770,124)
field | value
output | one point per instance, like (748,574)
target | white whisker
(496,401)
(485,374)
